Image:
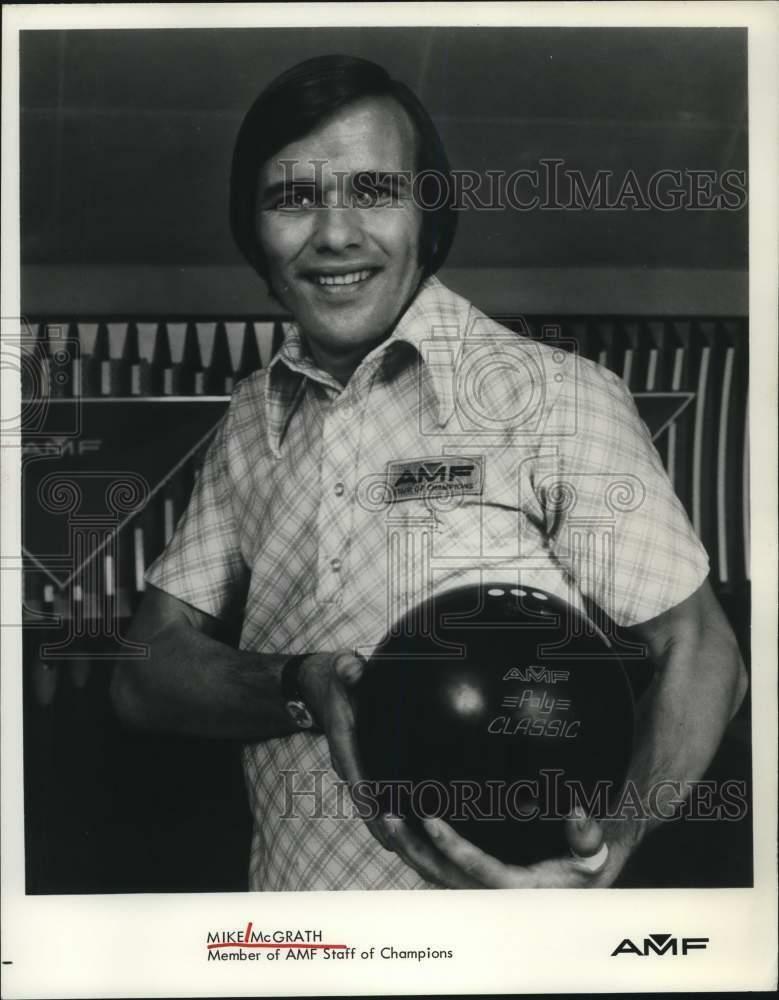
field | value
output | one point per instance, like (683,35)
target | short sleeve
(612,517)
(202,564)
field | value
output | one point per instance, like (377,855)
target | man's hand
(327,681)
(448,859)
(444,857)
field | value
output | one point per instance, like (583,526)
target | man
(333,201)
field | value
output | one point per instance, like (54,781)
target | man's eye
(295,199)
(375,191)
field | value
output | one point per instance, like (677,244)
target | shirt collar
(433,325)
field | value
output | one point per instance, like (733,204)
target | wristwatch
(296,707)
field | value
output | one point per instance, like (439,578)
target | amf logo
(661,944)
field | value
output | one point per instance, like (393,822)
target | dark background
(127,138)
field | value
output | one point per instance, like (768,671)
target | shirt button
(346,411)
(338,489)
(335,565)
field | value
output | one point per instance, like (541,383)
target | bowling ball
(490,706)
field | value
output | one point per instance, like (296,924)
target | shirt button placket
(334,512)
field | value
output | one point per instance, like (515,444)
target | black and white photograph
(388,472)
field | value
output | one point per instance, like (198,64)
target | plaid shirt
(314,500)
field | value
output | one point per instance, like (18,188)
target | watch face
(300,714)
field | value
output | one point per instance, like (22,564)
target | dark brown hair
(303,98)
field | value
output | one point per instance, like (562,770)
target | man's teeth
(342,279)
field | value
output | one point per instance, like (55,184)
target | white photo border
(548,942)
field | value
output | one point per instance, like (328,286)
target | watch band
(290,678)
(292,694)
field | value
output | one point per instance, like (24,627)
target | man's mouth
(341,280)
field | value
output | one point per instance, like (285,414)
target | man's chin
(347,325)
(348,341)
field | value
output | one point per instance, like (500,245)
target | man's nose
(337,227)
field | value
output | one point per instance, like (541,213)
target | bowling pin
(118,362)
(83,376)
(79,668)
(633,349)
(44,673)
(163,370)
(235,333)
(34,364)
(103,366)
(149,382)
(176,384)
(204,378)
(221,366)
(264,333)
(605,337)
(132,358)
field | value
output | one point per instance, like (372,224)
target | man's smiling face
(344,263)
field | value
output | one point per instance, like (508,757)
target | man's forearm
(699,686)
(192,683)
